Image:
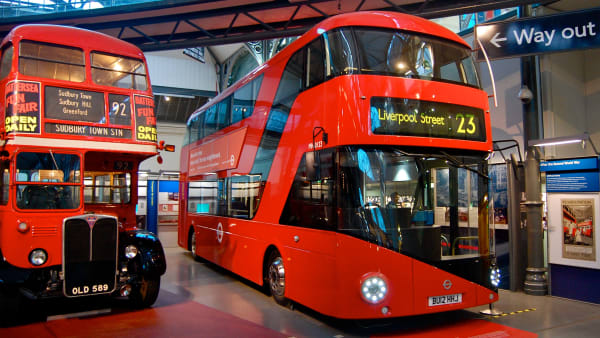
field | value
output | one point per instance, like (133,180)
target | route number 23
(466,124)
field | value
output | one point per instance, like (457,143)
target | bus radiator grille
(89,255)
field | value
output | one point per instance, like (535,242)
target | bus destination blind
(74,105)
(394,116)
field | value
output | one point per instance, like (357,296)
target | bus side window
(5,166)
(310,202)
(6,63)
(315,66)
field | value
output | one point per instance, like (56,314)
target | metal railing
(17,8)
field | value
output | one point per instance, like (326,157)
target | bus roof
(72,36)
(391,20)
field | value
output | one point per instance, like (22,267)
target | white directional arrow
(495,39)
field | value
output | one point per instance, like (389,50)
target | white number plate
(446,299)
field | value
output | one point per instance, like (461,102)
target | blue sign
(588,163)
(573,182)
(536,35)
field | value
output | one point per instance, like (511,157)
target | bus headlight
(38,257)
(131,251)
(495,275)
(373,289)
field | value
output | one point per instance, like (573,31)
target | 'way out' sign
(536,35)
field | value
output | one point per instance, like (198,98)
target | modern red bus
(348,173)
(77,119)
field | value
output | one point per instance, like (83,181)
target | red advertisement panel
(22,107)
(219,154)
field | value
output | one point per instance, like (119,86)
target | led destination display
(393,116)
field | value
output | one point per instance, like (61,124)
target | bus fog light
(131,251)
(385,310)
(125,290)
(38,257)
(373,289)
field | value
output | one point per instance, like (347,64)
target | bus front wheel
(145,293)
(276,278)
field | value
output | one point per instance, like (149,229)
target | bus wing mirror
(166,147)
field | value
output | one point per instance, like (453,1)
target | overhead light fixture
(555,141)
(169,173)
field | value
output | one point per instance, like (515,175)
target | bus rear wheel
(192,245)
(276,278)
(145,293)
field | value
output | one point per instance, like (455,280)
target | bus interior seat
(39,197)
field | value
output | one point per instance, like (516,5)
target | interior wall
(177,70)
(507,117)
(171,133)
(571,99)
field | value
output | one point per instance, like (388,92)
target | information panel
(393,116)
(74,105)
(22,107)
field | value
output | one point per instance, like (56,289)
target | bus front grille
(90,245)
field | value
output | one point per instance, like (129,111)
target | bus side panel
(367,260)
(309,260)
(205,228)
(245,248)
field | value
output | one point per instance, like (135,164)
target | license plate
(446,299)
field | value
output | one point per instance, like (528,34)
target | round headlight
(131,251)
(373,289)
(38,257)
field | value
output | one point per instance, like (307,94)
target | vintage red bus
(348,173)
(77,119)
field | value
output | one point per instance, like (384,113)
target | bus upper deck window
(51,61)
(118,71)
(5,65)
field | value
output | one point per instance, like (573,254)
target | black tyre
(276,278)
(192,246)
(144,294)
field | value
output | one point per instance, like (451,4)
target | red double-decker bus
(348,173)
(77,119)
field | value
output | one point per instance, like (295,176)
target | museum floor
(201,300)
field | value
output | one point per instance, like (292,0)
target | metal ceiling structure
(176,24)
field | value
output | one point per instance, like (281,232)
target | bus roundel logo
(220,232)
(232,160)
(447,284)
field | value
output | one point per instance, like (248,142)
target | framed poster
(572,235)
(578,229)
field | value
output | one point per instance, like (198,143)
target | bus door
(310,235)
